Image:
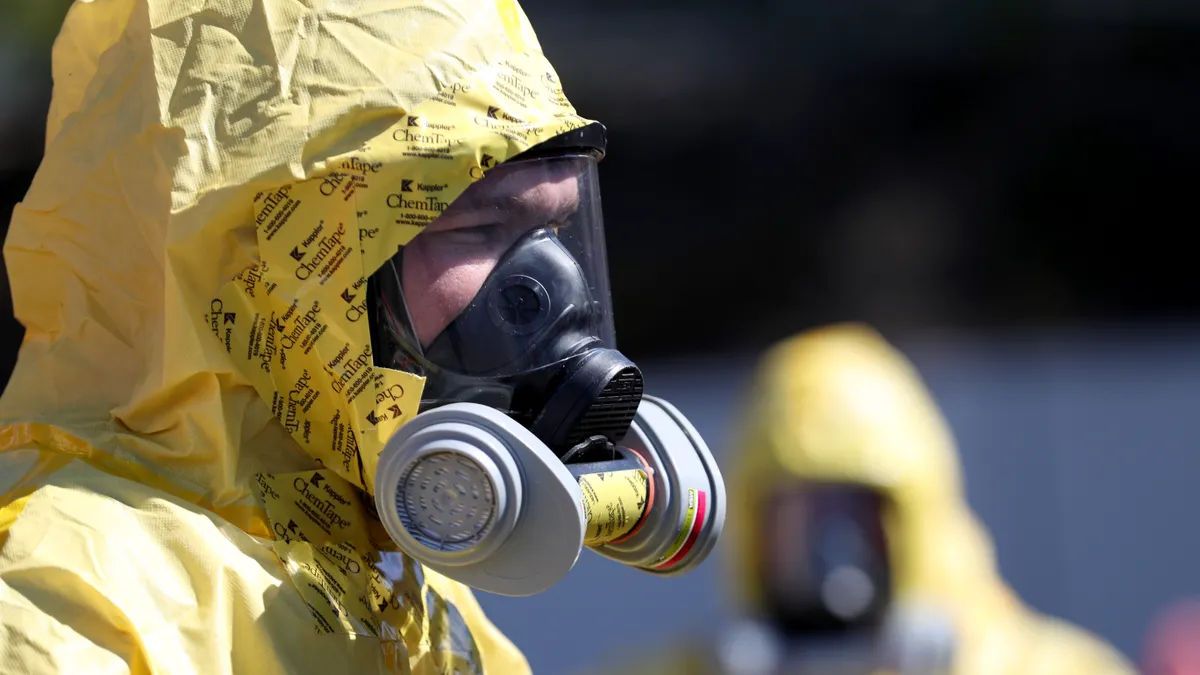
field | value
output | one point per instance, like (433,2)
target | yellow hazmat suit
(194,414)
(841,405)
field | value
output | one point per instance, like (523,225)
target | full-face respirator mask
(534,438)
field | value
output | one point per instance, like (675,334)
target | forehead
(543,188)
(522,176)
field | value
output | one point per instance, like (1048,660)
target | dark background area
(980,169)
(1003,187)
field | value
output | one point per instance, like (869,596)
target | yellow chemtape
(299,334)
(327,591)
(450,654)
(613,503)
(295,323)
(323,540)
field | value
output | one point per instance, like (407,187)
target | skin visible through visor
(446,265)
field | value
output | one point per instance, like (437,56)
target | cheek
(438,288)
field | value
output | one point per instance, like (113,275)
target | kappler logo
(421,123)
(348,296)
(297,254)
(286,534)
(406,185)
(396,413)
(495,113)
(485,162)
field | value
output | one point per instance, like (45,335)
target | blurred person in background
(852,548)
(1172,645)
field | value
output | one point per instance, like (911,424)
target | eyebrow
(525,200)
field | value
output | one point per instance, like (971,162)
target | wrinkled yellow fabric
(194,418)
(840,404)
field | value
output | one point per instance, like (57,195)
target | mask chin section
(598,395)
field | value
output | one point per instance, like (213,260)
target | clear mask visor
(508,283)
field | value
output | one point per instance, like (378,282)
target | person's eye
(476,235)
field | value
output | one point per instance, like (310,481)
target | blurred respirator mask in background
(829,605)
(534,439)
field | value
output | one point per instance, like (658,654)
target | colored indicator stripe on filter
(693,522)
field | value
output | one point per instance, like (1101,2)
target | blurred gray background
(1003,187)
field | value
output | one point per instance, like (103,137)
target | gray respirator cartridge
(474,495)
